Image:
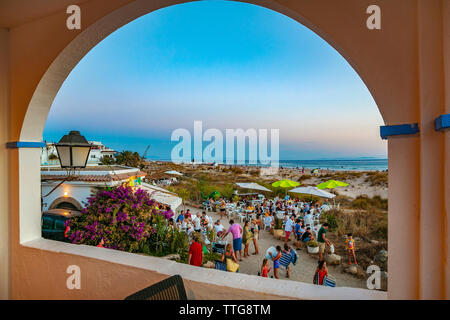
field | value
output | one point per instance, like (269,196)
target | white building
(73,194)
(49,155)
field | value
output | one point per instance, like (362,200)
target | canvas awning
(252,185)
(313,191)
(163,196)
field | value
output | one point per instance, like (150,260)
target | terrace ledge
(286,288)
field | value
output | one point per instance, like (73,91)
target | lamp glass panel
(80,155)
(64,155)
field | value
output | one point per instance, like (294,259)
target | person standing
(265,269)
(180,217)
(276,262)
(247,237)
(197,224)
(289,225)
(236,231)
(255,228)
(223,207)
(196,253)
(298,232)
(219,228)
(322,240)
(350,245)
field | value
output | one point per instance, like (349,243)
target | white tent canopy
(313,191)
(253,186)
(163,196)
(174,172)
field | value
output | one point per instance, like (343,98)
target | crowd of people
(297,223)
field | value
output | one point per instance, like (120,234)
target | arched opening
(67,203)
(58,71)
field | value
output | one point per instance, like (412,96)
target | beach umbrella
(331,184)
(286,183)
(313,191)
(253,186)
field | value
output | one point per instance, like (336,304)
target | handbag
(232,266)
(219,265)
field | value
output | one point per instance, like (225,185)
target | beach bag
(329,281)
(232,266)
(273,250)
(332,248)
(316,278)
(286,258)
(219,265)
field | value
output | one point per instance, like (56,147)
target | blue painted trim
(24,144)
(398,130)
(442,122)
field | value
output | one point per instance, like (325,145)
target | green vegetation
(365,203)
(125,158)
(372,223)
(377,178)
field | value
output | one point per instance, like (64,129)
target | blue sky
(229,64)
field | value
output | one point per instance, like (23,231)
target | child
(265,269)
(276,262)
(321,272)
(350,244)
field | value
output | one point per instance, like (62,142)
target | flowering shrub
(119,215)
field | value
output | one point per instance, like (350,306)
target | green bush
(331,220)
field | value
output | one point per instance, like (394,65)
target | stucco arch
(365,62)
(70,200)
(405,66)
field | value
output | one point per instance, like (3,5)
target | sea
(331,164)
(344,165)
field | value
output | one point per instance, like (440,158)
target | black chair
(169,289)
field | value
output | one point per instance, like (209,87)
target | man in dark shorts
(298,232)
(223,207)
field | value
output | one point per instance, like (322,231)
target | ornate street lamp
(73,150)
(73,153)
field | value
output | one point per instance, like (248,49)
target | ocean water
(341,165)
(357,165)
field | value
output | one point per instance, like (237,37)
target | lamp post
(73,153)
(73,150)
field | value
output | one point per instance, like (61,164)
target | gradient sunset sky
(229,64)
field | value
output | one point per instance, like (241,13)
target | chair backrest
(169,289)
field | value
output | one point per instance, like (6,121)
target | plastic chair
(267,223)
(169,289)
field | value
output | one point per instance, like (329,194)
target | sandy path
(304,269)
